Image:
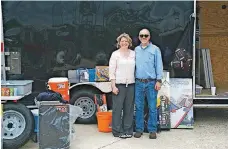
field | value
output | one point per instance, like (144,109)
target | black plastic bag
(50,95)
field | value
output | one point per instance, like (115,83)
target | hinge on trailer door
(193,15)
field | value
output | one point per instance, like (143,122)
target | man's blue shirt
(149,63)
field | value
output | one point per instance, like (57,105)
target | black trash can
(54,125)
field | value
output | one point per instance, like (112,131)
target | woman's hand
(115,90)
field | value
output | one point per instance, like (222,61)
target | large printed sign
(181,99)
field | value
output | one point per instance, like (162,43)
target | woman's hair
(124,35)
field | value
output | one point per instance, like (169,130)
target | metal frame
(3,67)
(210,97)
(210,106)
(206,68)
(194,53)
(210,73)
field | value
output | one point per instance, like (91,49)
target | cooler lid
(59,79)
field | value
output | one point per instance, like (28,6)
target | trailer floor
(222,93)
(210,132)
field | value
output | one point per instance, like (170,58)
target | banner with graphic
(164,102)
(181,100)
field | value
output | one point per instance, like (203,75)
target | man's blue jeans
(141,90)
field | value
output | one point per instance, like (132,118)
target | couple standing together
(135,75)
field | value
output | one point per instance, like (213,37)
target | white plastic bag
(75,112)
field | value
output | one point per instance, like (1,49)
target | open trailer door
(210,76)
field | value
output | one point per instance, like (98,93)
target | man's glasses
(143,36)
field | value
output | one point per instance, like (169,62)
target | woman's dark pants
(124,100)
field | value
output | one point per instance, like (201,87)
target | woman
(121,73)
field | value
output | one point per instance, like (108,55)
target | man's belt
(145,80)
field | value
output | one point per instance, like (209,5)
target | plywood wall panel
(213,19)
(214,35)
(219,58)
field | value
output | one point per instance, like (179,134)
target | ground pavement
(210,132)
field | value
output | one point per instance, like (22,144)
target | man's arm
(159,65)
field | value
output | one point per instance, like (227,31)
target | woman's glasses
(144,36)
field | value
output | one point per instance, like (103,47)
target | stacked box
(5,91)
(91,75)
(198,89)
(73,78)
(83,75)
(102,74)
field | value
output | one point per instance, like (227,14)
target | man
(149,71)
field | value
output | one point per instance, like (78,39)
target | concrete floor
(210,132)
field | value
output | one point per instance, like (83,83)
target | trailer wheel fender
(104,87)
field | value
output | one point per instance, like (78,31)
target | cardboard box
(198,89)
(83,75)
(92,73)
(73,77)
(5,91)
(102,74)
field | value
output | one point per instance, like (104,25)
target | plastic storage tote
(23,86)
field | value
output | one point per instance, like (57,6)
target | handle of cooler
(68,88)
(47,85)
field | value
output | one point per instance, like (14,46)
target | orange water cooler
(60,85)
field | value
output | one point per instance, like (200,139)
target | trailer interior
(211,50)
